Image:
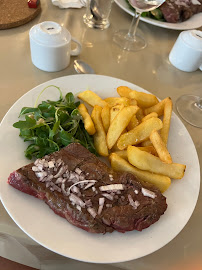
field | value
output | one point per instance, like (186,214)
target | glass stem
(134,24)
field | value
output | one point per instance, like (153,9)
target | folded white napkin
(69,3)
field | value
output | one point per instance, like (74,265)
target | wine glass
(190,109)
(129,40)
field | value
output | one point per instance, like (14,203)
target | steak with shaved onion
(82,189)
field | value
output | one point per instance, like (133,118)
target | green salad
(52,125)
(154,14)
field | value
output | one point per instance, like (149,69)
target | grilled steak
(79,187)
(180,10)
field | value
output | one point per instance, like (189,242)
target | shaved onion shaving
(80,182)
(148,193)
(60,172)
(112,187)
(78,207)
(89,185)
(134,204)
(101,201)
(75,199)
(100,209)
(101,205)
(108,196)
(92,212)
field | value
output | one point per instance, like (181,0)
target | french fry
(105,115)
(144,100)
(146,143)
(133,102)
(150,149)
(158,108)
(166,120)
(133,123)
(92,99)
(124,91)
(119,123)
(123,154)
(115,110)
(88,123)
(150,115)
(112,101)
(160,147)
(139,133)
(140,114)
(114,148)
(100,135)
(160,181)
(145,161)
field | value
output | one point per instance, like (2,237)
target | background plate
(53,232)
(192,23)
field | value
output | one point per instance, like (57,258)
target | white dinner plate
(192,23)
(36,219)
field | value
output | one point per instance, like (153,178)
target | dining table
(150,69)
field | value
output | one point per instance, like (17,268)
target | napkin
(69,3)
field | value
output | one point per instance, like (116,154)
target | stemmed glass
(190,109)
(129,40)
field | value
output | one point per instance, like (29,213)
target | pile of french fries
(132,130)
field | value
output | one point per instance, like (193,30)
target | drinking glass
(190,109)
(129,40)
(97,13)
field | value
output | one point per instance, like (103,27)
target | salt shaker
(186,53)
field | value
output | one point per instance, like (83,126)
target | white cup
(186,53)
(50,45)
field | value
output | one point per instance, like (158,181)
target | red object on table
(33,3)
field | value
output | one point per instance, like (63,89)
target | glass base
(98,24)
(123,40)
(190,109)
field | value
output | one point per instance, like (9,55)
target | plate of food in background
(176,15)
(114,113)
